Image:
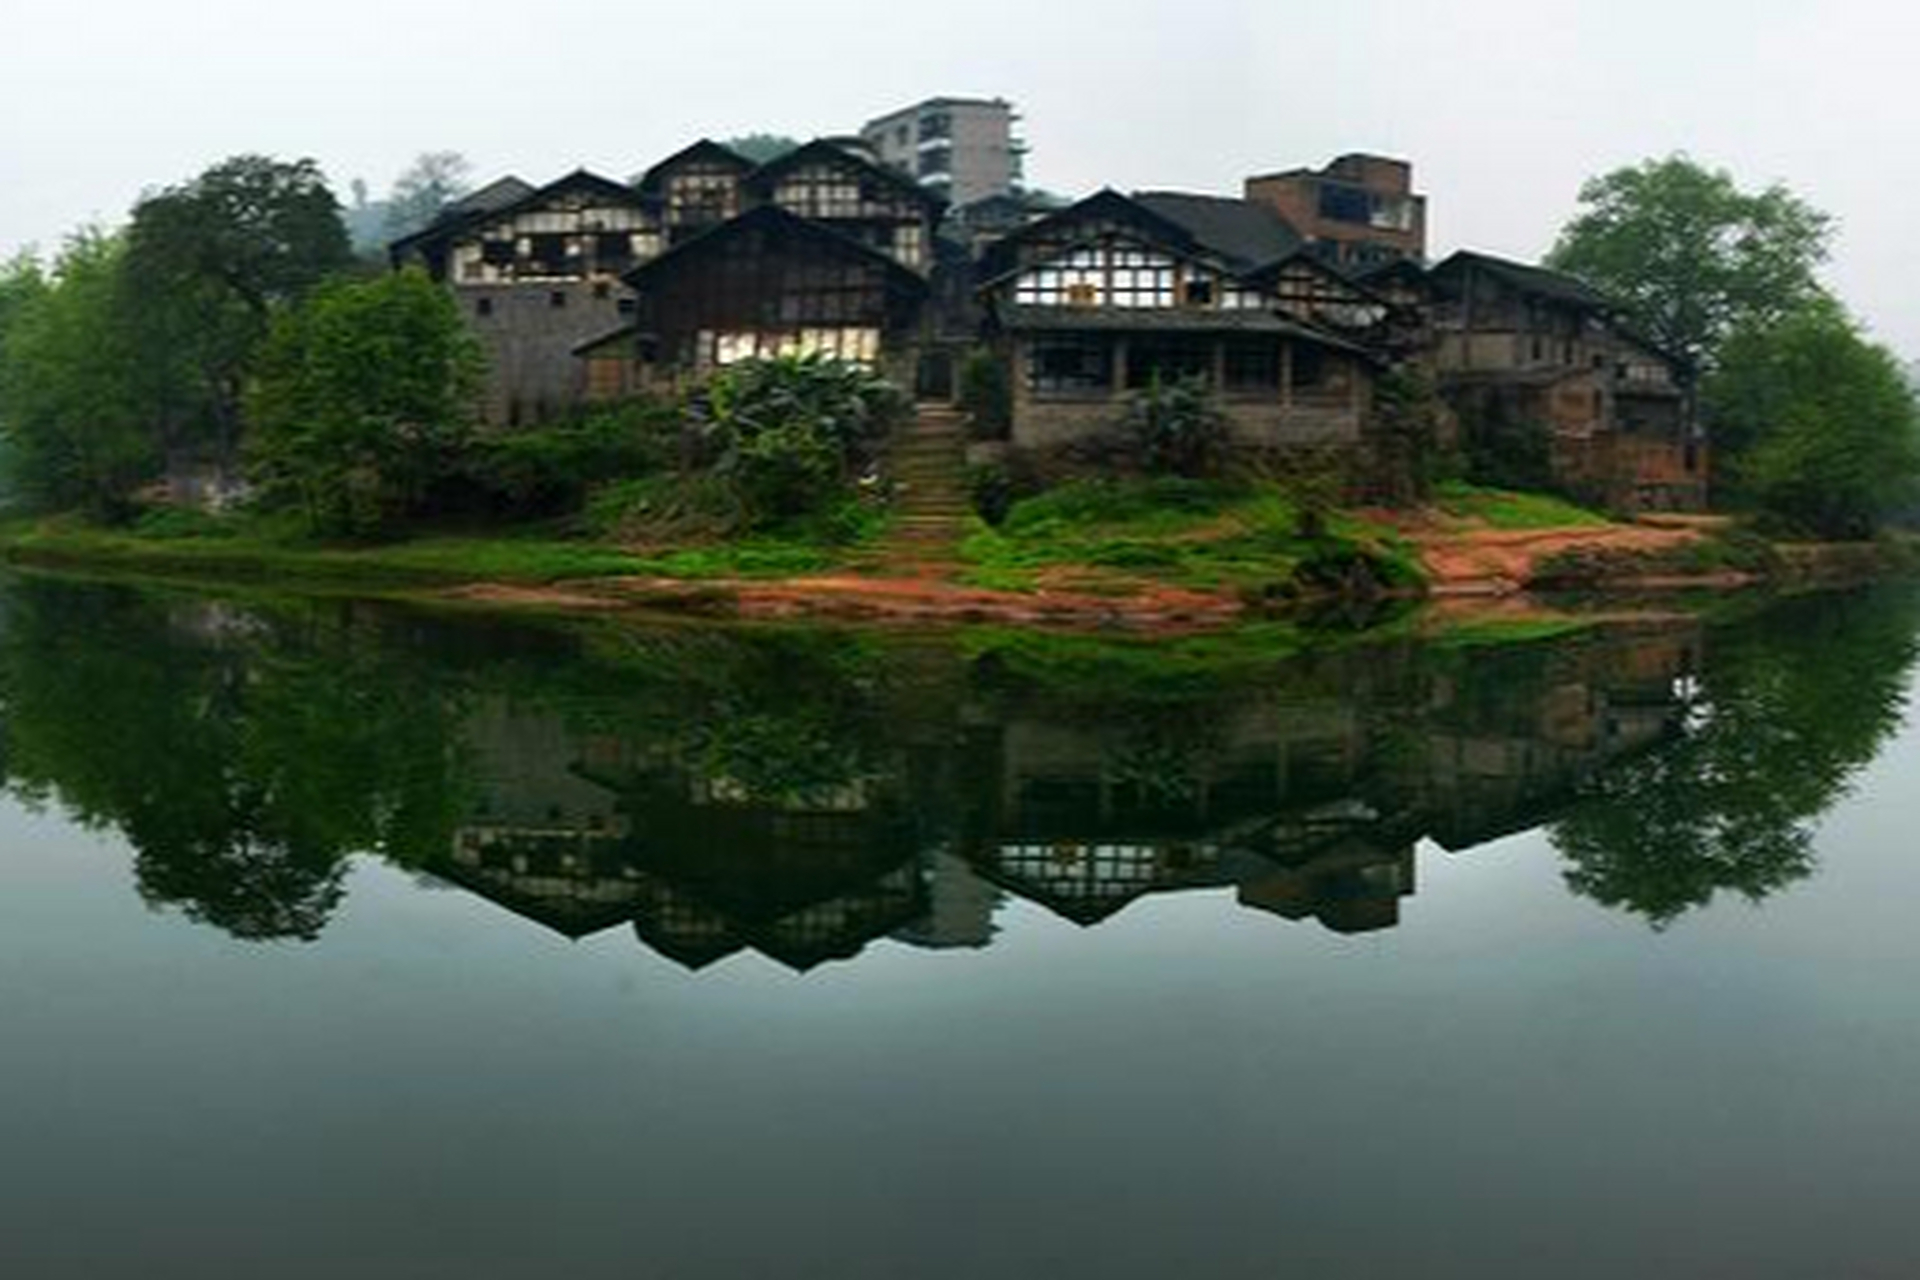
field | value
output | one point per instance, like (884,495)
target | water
(336,938)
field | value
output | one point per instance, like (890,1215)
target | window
(939,160)
(1070,364)
(1309,367)
(497,253)
(1198,292)
(1253,364)
(550,255)
(936,124)
(483,306)
(1168,360)
(1345,204)
(557,299)
(602,290)
(625,306)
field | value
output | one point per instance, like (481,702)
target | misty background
(1504,108)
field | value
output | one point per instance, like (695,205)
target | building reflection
(1300,806)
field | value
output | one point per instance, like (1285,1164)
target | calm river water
(344,940)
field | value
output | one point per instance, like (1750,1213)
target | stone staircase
(927,462)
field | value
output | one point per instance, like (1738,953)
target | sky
(1503,107)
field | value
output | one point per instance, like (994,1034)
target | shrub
(791,431)
(1179,428)
(991,489)
(550,470)
(986,396)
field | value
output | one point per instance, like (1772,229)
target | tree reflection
(241,782)
(1783,715)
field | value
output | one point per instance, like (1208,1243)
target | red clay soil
(1468,560)
(1154,609)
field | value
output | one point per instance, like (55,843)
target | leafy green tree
(1691,255)
(206,264)
(73,391)
(1819,425)
(364,396)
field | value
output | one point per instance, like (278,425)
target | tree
(73,405)
(1691,255)
(433,181)
(761,147)
(1818,426)
(206,263)
(364,395)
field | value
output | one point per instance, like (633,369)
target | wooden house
(536,271)
(768,282)
(1098,302)
(820,251)
(1528,355)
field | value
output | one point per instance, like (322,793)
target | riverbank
(1074,565)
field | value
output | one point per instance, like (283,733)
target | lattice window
(1070,364)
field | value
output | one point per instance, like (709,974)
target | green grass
(255,549)
(1504,509)
(1181,532)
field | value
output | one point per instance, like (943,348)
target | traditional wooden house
(819,251)
(768,282)
(1534,360)
(536,271)
(1098,302)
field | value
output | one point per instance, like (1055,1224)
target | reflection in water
(803,794)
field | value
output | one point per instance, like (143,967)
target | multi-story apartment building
(962,148)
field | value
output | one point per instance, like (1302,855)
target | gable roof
(1397,270)
(1245,232)
(1556,286)
(502,204)
(497,194)
(705,149)
(1270,274)
(1002,256)
(772,217)
(823,150)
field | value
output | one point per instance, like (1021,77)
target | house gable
(865,202)
(770,282)
(1310,290)
(580,227)
(696,189)
(1117,270)
(1106,212)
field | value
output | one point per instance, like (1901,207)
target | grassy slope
(1179,532)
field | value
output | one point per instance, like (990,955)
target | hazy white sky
(1503,106)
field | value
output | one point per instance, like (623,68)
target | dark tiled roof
(772,217)
(768,175)
(705,149)
(1244,232)
(497,194)
(1554,285)
(512,195)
